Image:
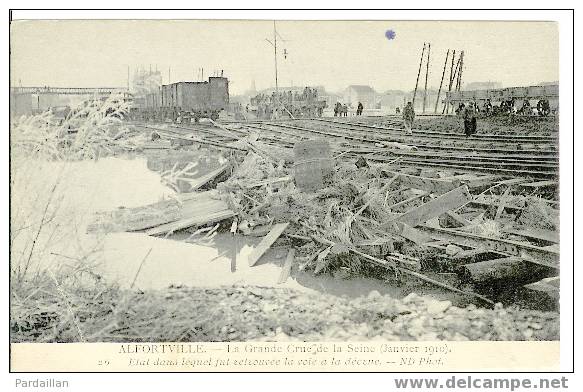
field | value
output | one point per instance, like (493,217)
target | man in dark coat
(470,122)
(409,117)
(359,109)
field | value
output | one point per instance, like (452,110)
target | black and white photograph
(285,180)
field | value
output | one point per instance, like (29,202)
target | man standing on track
(409,117)
(470,123)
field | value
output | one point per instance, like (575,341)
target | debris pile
(347,216)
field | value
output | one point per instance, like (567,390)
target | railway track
(396,126)
(479,156)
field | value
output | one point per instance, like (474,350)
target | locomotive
(183,102)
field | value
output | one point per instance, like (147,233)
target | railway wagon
(187,101)
(516,97)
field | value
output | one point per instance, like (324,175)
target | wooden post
(461,68)
(418,73)
(446,108)
(426,76)
(441,83)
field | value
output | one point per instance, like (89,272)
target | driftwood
(266,242)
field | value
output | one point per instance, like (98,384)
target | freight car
(518,100)
(184,101)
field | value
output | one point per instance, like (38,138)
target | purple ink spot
(390,34)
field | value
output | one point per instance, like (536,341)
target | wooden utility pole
(418,73)
(446,108)
(441,83)
(426,76)
(459,80)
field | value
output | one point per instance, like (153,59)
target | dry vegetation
(50,261)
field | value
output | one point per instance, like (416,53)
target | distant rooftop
(361,89)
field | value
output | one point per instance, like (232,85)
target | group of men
(342,110)
(468,113)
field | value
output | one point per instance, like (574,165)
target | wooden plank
(409,200)
(138,218)
(287,266)
(458,218)
(473,180)
(539,255)
(503,201)
(212,217)
(537,234)
(446,202)
(266,242)
(409,233)
(432,185)
(202,180)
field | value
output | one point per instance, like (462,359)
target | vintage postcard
(211,195)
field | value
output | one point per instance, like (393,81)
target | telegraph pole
(426,76)
(441,83)
(418,73)
(274,44)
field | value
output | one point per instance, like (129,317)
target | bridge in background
(68,90)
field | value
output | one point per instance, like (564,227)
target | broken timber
(392,264)
(544,256)
(433,208)
(197,209)
(266,242)
(287,266)
(433,185)
(204,179)
(537,234)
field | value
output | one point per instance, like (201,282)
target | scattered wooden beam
(409,200)
(138,218)
(202,219)
(472,180)
(197,209)
(433,208)
(539,255)
(266,242)
(432,185)
(287,266)
(537,234)
(457,218)
(196,183)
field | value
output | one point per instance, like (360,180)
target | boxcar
(187,101)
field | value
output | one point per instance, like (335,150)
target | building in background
(359,93)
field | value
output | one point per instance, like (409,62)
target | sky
(335,54)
